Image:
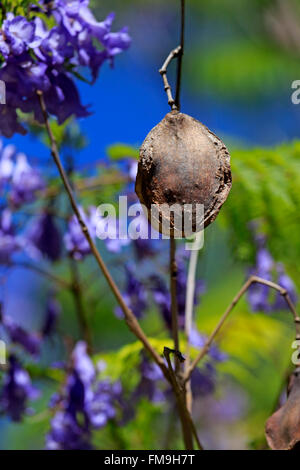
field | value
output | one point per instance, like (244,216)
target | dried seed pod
(182,162)
(283,427)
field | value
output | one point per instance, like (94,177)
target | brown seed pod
(182,162)
(283,427)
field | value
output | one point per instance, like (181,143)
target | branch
(128,314)
(163,71)
(180,56)
(174,306)
(188,427)
(251,280)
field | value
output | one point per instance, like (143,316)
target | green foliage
(243,69)
(266,190)
(121,151)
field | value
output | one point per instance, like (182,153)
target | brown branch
(163,71)
(128,314)
(188,428)
(248,283)
(180,56)
(174,306)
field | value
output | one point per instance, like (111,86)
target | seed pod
(182,162)
(283,427)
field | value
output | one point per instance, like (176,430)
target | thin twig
(180,56)
(188,427)
(128,314)
(163,71)
(174,306)
(248,283)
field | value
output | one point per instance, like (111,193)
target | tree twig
(163,71)
(180,55)
(128,314)
(248,283)
(188,428)
(174,306)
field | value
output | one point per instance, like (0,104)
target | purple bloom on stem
(25,181)
(9,243)
(75,241)
(46,237)
(29,341)
(16,391)
(259,296)
(135,295)
(87,404)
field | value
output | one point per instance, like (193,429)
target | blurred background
(240,60)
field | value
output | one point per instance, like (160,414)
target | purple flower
(203,379)
(67,434)
(25,181)
(16,391)
(18,35)
(150,382)
(40,58)
(87,403)
(75,241)
(6,162)
(46,237)
(29,341)
(134,295)
(9,243)
(259,296)
(286,282)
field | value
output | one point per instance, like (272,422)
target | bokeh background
(240,61)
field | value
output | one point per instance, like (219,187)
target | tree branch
(174,306)
(128,314)
(180,56)
(163,71)
(188,427)
(248,283)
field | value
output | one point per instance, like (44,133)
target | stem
(163,71)
(128,314)
(180,56)
(248,283)
(188,428)
(190,296)
(174,306)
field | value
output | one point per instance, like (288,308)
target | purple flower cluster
(46,237)
(259,296)
(86,404)
(39,58)
(75,241)
(29,341)
(16,391)
(17,178)
(203,379)
(135,294)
